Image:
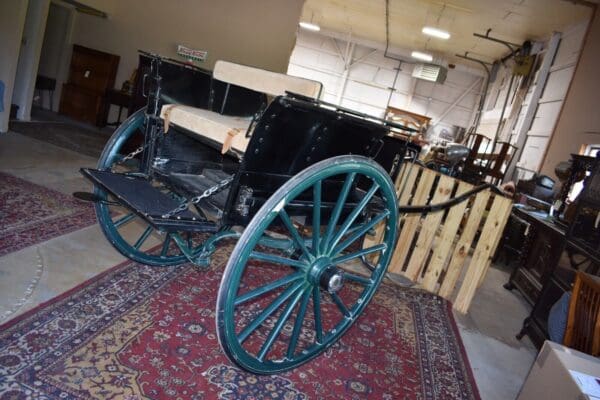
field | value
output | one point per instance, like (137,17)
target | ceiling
(511,20)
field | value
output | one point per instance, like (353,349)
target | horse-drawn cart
(253,155)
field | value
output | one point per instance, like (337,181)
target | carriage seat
(230,131)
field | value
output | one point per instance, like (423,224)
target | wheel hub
(323,273)
(332,279)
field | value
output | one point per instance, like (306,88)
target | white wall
(367,90)
(498,89)
(260,33)
(27,66)
(56,50)
(578,123)
(12,20)
(54,37)
(551,102)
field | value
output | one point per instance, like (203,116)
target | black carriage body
(187,84)
(294,133)
(290,134)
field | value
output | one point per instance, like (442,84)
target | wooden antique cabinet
(91,75)
(552,255)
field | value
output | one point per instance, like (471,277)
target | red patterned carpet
(137,332)
(30,214)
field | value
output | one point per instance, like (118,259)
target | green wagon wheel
(127,232)
(277,309)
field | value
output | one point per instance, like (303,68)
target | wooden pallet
(446,252)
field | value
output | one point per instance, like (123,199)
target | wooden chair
(583,323)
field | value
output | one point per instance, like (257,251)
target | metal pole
(512,79)
(485,89)
(393,88)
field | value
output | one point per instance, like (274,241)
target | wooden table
(120,99)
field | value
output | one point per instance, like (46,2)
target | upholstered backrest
(260,80)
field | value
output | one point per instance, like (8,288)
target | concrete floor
(36,274)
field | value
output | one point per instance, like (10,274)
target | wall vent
(430,72)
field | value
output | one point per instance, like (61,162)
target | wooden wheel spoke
(316,217)
(277,259)
(363,252)
(298,324)
(337,210)
(267,288)
(165,246)
(316,294)
(143,238)
(353,215)
(294,232)
(285,315)
(338,302)
(359,233)
(123,220)
(357,278)
(282,298)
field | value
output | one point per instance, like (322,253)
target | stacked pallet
(446,252)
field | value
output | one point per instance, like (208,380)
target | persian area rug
(30,214)
(68,135)
(137,332)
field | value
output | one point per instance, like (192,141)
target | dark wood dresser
(541,246)
(91,75)
(552,253)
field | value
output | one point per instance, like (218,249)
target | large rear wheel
(277,309)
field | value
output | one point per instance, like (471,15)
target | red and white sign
(191,54)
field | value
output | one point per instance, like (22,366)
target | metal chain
(195,200)
(130,155)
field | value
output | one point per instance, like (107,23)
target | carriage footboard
(147,201)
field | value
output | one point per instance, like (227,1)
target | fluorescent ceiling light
(422,56)
(436,33)
(310,26)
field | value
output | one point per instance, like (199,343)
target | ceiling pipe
(387,38)
(500,124)
(485,65)
(493,39)
(512,47)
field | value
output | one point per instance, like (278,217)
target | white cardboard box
(561,373)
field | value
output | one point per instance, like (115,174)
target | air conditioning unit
(430,72)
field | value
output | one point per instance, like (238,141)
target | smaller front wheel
(278,309)
(130,234)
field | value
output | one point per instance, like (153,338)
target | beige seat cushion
(230,132)
(260,80)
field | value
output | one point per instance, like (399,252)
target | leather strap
(167,116)
(228,140)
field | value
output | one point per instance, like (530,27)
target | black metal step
(138,194)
